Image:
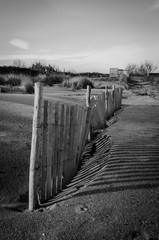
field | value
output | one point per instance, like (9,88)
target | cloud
(19,43)
(155,6)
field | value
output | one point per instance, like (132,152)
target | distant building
(116,73)
(113,72)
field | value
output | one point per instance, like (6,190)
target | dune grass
(25,83)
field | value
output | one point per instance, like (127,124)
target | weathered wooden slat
(82,131)
(66,145)
(55,152)
(66,120)
(111,103)
(44,151)
(88,96)
(106,102)
(53,140)
(78,136)
(50,142)
(71,140)
(87,125)
(61,146)
(74,141)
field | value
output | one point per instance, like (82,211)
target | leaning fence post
(88,100)
(35,147)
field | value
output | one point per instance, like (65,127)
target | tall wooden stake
(35,147)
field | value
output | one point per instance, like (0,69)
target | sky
(79,35)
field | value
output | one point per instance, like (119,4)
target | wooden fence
(59,136)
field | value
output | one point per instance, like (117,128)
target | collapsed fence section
(59,136)
(65,129)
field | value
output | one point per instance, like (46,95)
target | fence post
(88,100)
(35,147)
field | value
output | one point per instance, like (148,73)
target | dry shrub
(74,86)
(77,83)
(66,83)
(27,85)
(83,82)
(74,82)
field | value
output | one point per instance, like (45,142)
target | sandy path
(15,139)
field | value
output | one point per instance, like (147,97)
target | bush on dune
(10,79)
(49,80)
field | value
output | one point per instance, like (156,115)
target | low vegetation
(16,83)
(25,84)
(19,78)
